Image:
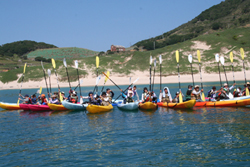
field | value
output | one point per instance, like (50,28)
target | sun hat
(196,86)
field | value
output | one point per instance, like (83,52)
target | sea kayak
(39,108)
(57,107)
(25,107)
(9,106)
(73,106)
(228,103)
(148,106)
(186,104)
(128,106)
(97,109)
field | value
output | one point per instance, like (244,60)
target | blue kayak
(128,106)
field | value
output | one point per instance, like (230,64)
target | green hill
(60,53)
(229,14)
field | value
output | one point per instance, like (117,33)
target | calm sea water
(165,137)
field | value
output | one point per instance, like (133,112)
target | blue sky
(94,24)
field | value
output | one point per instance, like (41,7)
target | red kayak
(39,108)
(25,107)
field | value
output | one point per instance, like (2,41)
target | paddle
(150,62)
(54,66)
(217,58)
(105,80)
(96,83)
(127,88)
(190,58)
(111,81)
(199,59)
(242,56)
(76,65)
(160,60)
(24,68)
(97,66)
(65,64)
(232,59)
(154,75)
(45,78)
(222,60)
(129,80)
(49,74)
(177,60)
(81,81)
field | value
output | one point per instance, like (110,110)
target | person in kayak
(196,93)
(237,92)
(144,94)
(26,99)
(247,86)
(63,96)
(110,94)
(225,91)
(165,97)
(129,97)
(104,99)
(189,92)
(212,94)
(74,97)
(33,99)
(54,99)
(42,99)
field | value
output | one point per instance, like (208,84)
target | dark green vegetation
(228,14)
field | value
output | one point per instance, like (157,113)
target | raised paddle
(96,83)
(222,61)
(49,74)
(150,62)
(154,75)
(217,58)
(111,80)
(79,83)
(177,60)
(160,60)
(45,78)
(65,65)
(127,88)
(97,66)
(105,80)
(199,59)
(242,56)
(190,59)
(54,66)
(232,59)
(24,69)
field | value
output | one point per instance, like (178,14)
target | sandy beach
(143,79)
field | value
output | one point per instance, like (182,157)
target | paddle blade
(61,98)
(49,72)
(217,57)
(199,55)
(151,60)
(155,63)
(135,80)
(190,58)
(18,102)
(203,97)
(42,64)
(76,63)
(81,81)
(81,100)
(129,80)
(53,63)
(106,77)
(160,59)
(98,79)
(40,91)
(180,97)
(231,57)
(177,56)
(24,68)
(247,92)
(222,60)
(97,61)
(242,53)
(64,62)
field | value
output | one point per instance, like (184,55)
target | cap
(213,87)
(26,95)
(107,89)
(190,86)
(225,84)
(62,92)
(55,92)
(196,86)
(43,95)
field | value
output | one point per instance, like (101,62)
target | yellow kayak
(97,109)
(9,106)
(148,106)
(186,104)
(57,107)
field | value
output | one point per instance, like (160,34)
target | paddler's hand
(121,90)
(160,91)
(201,90)
(234,84)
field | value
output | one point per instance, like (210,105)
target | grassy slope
(140,60)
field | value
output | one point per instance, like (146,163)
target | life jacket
(29,102)
(209,93)
(195,97)
(129,100)
(188,94)
(148,99)
(104,102)
(73,99)
(44,101)
(144,95)
(165,99)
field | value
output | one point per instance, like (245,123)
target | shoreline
(143,80)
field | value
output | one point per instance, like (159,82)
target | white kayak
(73,106)
(128,106)
(237,98)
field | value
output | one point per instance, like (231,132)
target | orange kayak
(186,104)
(148,106)
(228,103)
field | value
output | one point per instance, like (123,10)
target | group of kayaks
(236,102)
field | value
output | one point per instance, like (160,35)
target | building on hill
(115,48)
